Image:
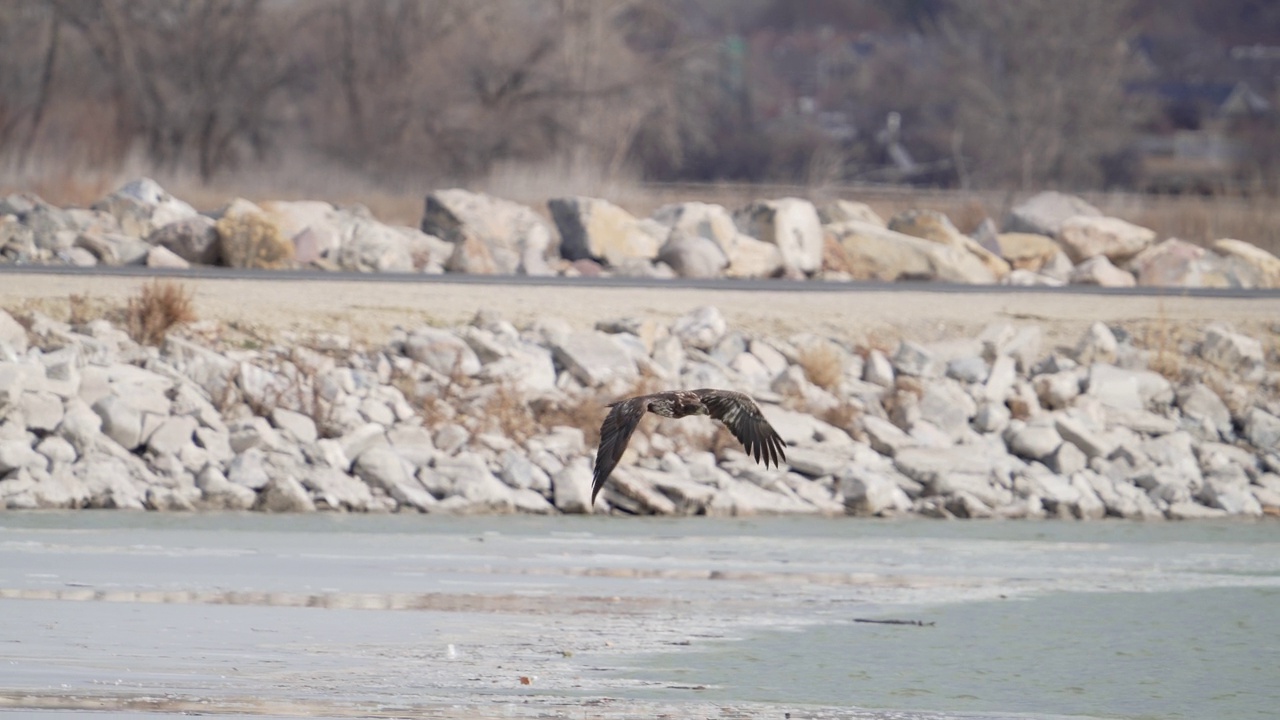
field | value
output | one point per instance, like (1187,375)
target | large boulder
(838,211)
(699,219)
(690,223)
(1265,265)
(1085,236)
(141,206)
(1177,263)
(516,238)
(1027,251)
(194,239)
(12,336)
(791,224)
(366,245)
(875,253)
(693,256)
(595,229)
(1098,270)
(113,249)
(751,258)
(442,351)
(1044,213)
(934,226)
(594,358)
(1233,352)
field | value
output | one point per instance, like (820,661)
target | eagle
(738,412)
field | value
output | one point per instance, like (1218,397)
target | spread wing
(614,435)
(742,416)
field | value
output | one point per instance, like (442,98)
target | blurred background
(377,98)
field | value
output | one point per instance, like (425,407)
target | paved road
(739,285)
(367,307)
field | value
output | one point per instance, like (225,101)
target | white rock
(571,487)
(1083,237)
(15,454)
(384,469)
(1034,441)
(991,417)
(121,420)
(692,256)
(791,224)
(285,494)
(1044,213)
(1091,443)
(868,492)
(915,360)
(57,450)
(248,469)
(300,427)
(173,434)
(702,328)
(1262,430)
(1057,390)
(594,358)
(442,351)
(1135,390)
(515,236)
(41,410)
(1098,345)
(597,229)
(815,462)
(1098,270)
(878,370)
(1233,352)
(946,405)
(1199,401)
(220,494)
(12,334)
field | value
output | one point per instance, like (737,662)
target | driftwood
(917,623)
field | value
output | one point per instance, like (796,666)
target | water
(1192,654)
(146,615)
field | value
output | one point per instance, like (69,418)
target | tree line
(981,93)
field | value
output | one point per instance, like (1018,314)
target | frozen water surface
(132,615)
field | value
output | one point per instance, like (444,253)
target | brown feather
(615,433)
(738,412)
(742,416)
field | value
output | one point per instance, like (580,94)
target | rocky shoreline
(491,418)
(1050,239)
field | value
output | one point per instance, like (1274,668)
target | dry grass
(586,410)
(506,410)
(81,308)
(158,307)
(823,365)
(847,416)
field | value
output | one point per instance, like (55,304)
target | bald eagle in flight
(738,412)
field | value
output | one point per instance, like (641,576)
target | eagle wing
(614,435)
(742,416)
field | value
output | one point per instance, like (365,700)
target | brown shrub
(507,411)
(823,365)
(81,308)
(156,309)
(249,240)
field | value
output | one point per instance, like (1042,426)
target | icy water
(129,615)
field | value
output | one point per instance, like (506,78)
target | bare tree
(195,79)
(1040,97)
(28,51)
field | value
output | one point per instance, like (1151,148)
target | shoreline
(455,398)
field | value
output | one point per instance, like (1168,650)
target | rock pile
(1050,239)
(492,418)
